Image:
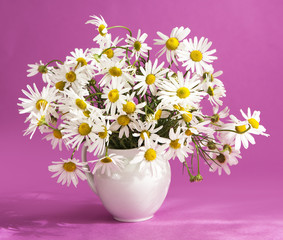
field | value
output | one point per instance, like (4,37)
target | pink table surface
(245,205)
(202,214)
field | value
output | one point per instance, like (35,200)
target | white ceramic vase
(129,195)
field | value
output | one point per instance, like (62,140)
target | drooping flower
(254,120)
(69,170)
(109,164)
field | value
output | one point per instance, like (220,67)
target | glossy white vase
(130,195)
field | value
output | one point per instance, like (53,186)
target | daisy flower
(79,58)
(66,76)
(146,128)
(140,48)
(80,128)
(161,111)
(39,100)
(177,148)
(152,76)
(195,55)
(72,101)
(109,164)
(125,123)
(102,139)
(184,91)
(215,119)
(101,28)
(210,77)
(114,54)
(40,68)
(184,114)
(172,43)
(202,127)
(214,95)
(69,170)
(227,156)
(130,107)
(56,138)
(112,69)
(253,120)
(241,133)
(37,120)
(113,94)
(151,158)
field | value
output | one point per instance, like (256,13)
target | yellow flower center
(210,91)
(84,129)
(187,117)
(142,134)
(100,29)
(57,133)
(227,147)
(188,132)
(254,123)
(221,158)
(115,72)
(41,103)
(69,166)
(196,56)
(109,53)
(80,104)
(129,107)
(175,144)
(172,43)
(137,45)
(82,61)
(86,113)
(150,79)
(183,92)
(60,85)
(71,76)
(113,95)
(123,120)
(103,134)
(240,129)
(150,154)
(106,160)
(157,115)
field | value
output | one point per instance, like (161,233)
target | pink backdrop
(248,37)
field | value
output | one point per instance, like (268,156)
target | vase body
(131,195)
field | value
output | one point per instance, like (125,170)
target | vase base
(132,220)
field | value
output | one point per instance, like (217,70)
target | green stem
(55,60)
(74,152)
(192,178)
(50,126)
(121,27)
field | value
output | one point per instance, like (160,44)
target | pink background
(247,204)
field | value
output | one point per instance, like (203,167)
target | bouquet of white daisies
(114,96)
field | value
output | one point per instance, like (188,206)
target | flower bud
(198,178)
